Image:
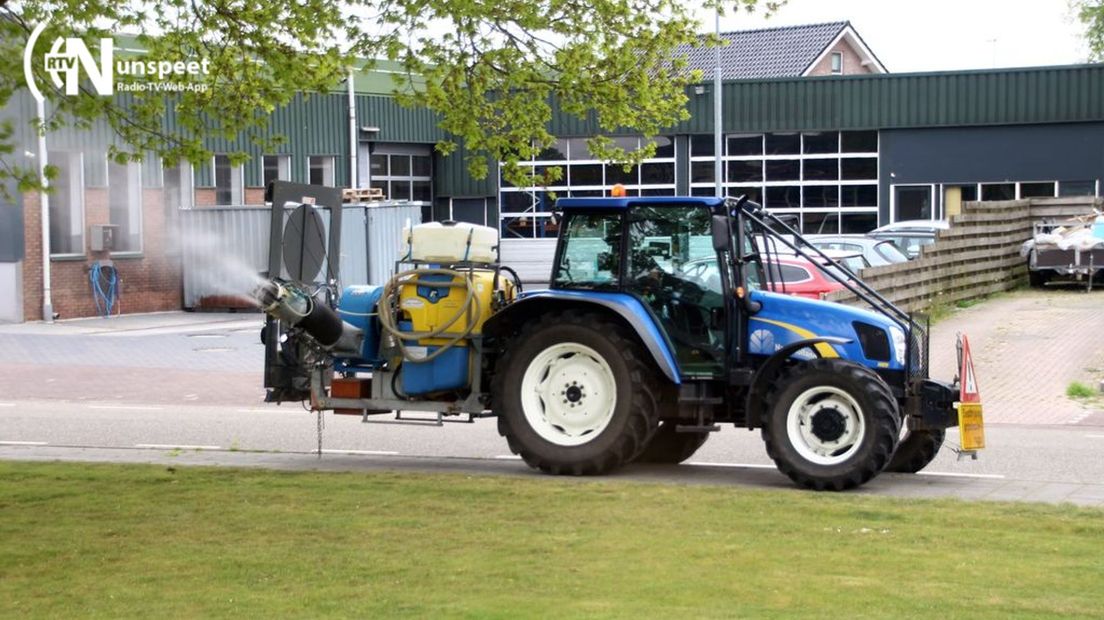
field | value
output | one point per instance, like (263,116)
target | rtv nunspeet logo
(69,55)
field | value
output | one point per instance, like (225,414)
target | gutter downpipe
(354,171)
(44,218)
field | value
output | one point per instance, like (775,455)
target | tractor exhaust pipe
(293,307)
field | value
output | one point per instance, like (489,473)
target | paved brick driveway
(1028,346)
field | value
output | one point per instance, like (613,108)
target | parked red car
(796,276)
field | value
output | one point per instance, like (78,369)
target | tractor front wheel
(576,394)
(830,424)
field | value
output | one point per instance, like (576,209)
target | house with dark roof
(833,48)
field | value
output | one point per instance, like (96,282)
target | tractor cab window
(673,268)
(591,252)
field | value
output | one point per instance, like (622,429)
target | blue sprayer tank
(358,308)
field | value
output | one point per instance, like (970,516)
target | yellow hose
(393,289)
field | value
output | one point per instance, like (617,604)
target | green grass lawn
(109,541)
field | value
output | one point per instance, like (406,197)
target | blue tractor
(665,319)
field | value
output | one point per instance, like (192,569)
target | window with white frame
(178,187)
(829,179)
(320,170)
(402,175)
(228,181)
(526,212)
(124,203)
(998,191)
(837,63)
(913,202)
(1046,189)
(275,168)
(66,204)
(1076,188)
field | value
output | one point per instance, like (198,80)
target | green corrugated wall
(318,124)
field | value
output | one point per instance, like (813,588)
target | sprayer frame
(383,401)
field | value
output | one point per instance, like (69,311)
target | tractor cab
(661,253)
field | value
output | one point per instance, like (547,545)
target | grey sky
(934,35)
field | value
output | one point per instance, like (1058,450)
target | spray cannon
(292,306)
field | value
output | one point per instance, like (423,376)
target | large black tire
(819,385)
(916,450)
(632,419)
(671,447)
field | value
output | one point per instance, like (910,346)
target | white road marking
(162,446)
(954,474)
(737,465)
(363,452)
(7,404)
(127,407)
(23,443)
(1095,436)
(508,457)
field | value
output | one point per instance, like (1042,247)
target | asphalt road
(1037,463)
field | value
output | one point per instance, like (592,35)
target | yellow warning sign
(971,426)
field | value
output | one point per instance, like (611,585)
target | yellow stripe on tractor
(823,348)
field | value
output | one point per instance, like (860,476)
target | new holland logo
(69,56)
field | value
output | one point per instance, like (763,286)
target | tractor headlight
(897,335)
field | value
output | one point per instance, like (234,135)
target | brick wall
(205,196)
(852,62)
(150,280)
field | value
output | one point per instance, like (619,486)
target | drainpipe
(44,204)
(353,143)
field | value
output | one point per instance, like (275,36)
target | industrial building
(830,137)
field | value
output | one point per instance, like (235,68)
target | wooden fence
(977,256)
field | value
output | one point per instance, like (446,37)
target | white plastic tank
(451,242)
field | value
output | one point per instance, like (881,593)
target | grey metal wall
(1055,152)
(11,292)
(225,249)
(384,239)
(11,226)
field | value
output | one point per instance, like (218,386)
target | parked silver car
(910,235)
(876,252)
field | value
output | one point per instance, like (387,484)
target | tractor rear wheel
(830,424)
(670,446)
(916,450)
(576,394)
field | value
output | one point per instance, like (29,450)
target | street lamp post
(718,141)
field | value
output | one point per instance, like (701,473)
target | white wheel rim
(825,425)
(568,394)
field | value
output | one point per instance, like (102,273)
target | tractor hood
(876,341)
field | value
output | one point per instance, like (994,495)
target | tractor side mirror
(722,241)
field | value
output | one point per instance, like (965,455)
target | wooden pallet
(362,194)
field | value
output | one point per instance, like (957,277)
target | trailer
(1069,250)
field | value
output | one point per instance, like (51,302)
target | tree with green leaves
(493,70)
(1091,14)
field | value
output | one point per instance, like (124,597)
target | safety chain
(320,426)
